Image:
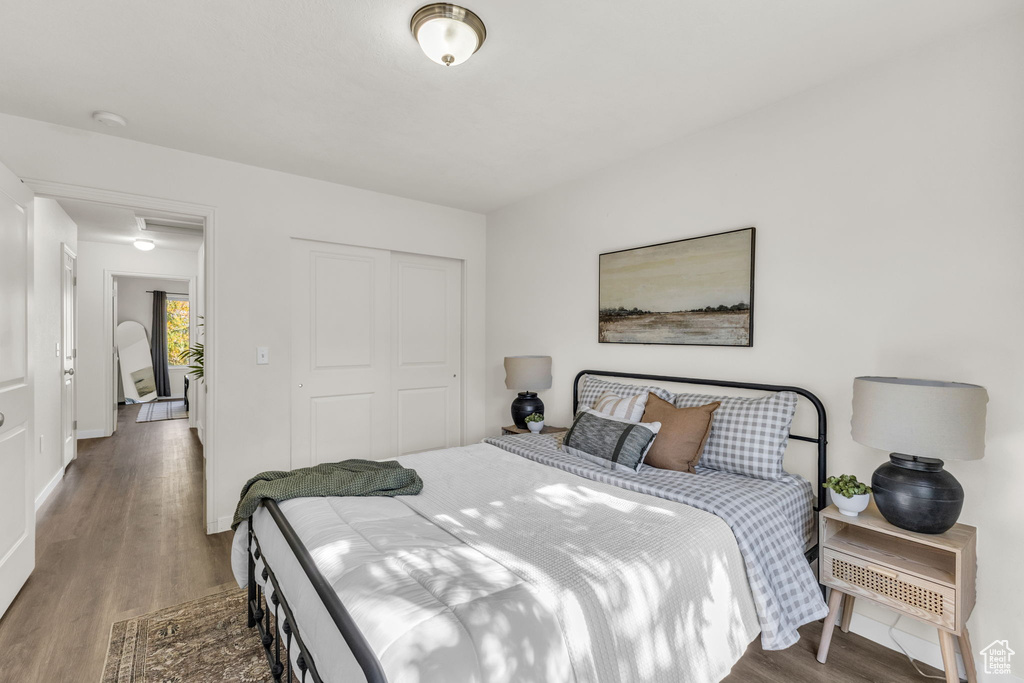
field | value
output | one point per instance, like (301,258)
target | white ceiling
(116,225)
(339,90)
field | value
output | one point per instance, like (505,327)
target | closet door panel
(341,339)
(427,355)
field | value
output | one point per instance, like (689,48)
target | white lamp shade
(527,373)
(944,420)
(447,41)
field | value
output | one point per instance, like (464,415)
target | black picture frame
(608,317)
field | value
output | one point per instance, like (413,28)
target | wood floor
(123,535)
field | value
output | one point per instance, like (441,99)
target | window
(177,332)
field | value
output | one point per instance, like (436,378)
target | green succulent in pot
(845,485)
(848,494)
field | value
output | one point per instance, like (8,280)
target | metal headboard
(821,439)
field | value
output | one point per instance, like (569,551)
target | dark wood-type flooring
(123,535)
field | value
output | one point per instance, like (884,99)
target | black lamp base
(916,494)
(525,405)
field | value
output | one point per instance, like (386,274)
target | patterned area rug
(155,411)
(199,641)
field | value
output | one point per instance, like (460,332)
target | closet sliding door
(376,353)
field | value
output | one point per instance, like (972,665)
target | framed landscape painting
(693,291)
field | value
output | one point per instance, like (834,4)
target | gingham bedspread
(770,519)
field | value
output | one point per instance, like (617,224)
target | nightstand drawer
(902,591)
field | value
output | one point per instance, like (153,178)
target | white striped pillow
(623,407)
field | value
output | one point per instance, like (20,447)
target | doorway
(173,227)
(162,309)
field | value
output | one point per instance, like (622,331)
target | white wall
(135,302)
(52,228)
(94,260)
(257,211)
(889,209)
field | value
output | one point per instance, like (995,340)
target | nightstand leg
(967,652)
(948,656)
(834,601)
(844,625)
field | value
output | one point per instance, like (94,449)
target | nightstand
(512,429)
(929,577)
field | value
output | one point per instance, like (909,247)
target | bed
(520,562)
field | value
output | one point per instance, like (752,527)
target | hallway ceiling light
(109,118)
(144,245)
(448,34)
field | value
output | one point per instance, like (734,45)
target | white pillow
(630,408)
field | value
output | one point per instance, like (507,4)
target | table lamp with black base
(921,422)
(527,375)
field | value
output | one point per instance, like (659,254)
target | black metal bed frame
(269,630)
(259,610)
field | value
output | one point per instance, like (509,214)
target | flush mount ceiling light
(109,118)
(448,34)
(144,245)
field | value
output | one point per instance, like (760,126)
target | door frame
(109,325)
(56,190)
(65,250)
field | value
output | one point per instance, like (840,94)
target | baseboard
(48,489)
(93,433)
(219,525)
(201,433)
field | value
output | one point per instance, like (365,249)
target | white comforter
(504,569)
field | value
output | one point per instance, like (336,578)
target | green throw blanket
(345,478)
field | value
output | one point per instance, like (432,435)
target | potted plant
(535,422)
(849,495)
(197,354)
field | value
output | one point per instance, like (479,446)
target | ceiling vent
(171,226)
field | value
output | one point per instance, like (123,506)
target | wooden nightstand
(512,429)
(926,576)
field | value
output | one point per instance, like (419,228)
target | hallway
(123,534)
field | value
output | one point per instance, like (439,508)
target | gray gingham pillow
(611,442)
(748,435)
(592,387)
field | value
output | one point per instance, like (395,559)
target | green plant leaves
(846,485)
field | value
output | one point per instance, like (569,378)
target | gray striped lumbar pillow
(614,443)
(629,408)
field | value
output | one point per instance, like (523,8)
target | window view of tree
(177,332)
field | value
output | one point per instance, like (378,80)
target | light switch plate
(262,355)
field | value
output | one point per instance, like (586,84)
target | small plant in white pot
(535,422)
(849,495)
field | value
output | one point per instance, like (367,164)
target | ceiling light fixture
(109,118)
(448,34)
(144,245)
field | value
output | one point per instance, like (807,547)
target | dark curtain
(158,344)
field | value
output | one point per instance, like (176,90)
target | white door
(376,353)
(340,353)
(69,354)
(426,309)
(17,513)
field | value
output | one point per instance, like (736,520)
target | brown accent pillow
(684,431)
